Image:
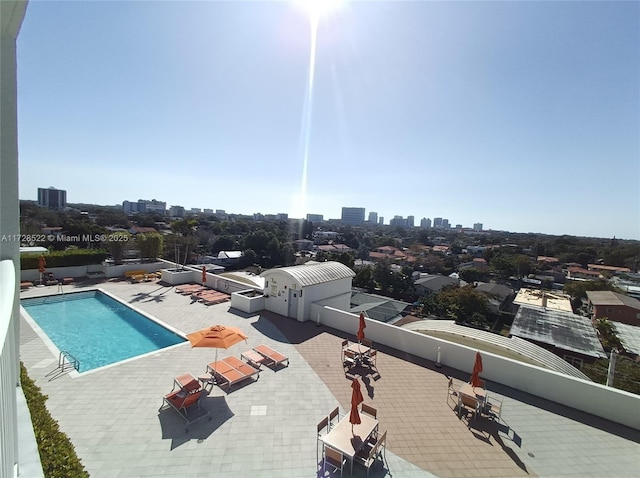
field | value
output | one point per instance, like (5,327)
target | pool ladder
(66,362)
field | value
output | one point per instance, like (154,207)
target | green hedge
(74,257)
(57,453)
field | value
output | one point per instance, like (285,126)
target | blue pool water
(96,329)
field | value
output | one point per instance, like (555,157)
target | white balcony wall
(599,400)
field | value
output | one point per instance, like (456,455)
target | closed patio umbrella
(41,266)
(477,368)
(356,399)
(204,275)
(361,327)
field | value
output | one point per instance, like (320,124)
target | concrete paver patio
(267,428)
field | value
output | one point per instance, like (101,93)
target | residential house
(570,336)
(377,307)
(432,283)
(580,273)
(499,295)
(613,306)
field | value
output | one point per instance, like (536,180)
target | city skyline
(520,115)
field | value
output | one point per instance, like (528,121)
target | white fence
(599,400)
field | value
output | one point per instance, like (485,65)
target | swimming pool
(97,329)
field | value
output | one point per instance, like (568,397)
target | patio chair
(468,403)
(369,410)
(334,459)
(334,415)
(493,407)
(367,456)
(271,356)
(349,358)
(186,404)
(452,391)
(323,429)
(372,357)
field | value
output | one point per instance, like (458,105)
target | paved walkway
(267,428)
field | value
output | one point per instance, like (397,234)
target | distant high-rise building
(398,221)
(411,221)
(381,221)
(52,198)
(209,212)
(176,211)
(353,216)
(196,210)
(282,216)
(220,212)
(458,226)
(143,206)
(477,226)
(445,224)
(373,218)
(425,223)
(315,217)
(437,222)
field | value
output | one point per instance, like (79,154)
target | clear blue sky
(524,116)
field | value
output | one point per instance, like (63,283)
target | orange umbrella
(361,327)
(477,368)
(41,264)
(204,275)
(356,399)
(218,337)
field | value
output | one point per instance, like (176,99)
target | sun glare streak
(315,10)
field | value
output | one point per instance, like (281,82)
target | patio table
(348,442)
(359,350)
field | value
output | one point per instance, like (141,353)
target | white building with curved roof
(290,291)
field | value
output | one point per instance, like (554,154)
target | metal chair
(334,415)
(467,402)
(369,410)
(452,391)
(493,407)
(372,356)
(323,429)
(333,458)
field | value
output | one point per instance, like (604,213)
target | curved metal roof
(315,273)
(513,347)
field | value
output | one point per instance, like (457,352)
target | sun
(317,9)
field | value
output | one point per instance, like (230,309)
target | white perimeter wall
(599,400)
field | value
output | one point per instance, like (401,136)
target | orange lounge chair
(271,356)
(242,367)
(212,300)
(253,358)
(186,401)
(189,289)
(227,374)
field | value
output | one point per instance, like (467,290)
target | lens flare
(315,10)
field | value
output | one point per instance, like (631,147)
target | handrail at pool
(66,361)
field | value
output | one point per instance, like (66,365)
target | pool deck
(267,428)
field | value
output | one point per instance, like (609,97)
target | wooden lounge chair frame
(272,357)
